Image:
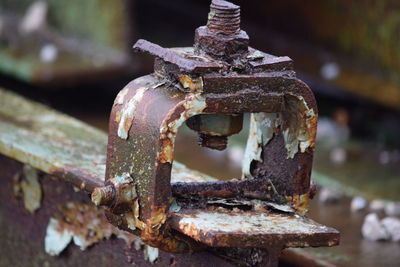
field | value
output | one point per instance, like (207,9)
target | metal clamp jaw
(208,86)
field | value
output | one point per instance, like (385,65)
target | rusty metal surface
(23,234)
(61,145)
(147,113)
(253,229)
(268,200)
(184,59)
(20,110)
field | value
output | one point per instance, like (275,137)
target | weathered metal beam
(253,229)
(75,153)
(27,238)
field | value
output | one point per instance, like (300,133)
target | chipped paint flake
(194,104)
(297,123)
(262,128)
(128,113)
(85,225)
(151,253)
(300,124)
(56,240)
(174,207)
(31,190)
(119,100)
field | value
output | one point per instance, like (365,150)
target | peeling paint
(174,207)
(194,104)
(217,228)
(262,128)
(128,113)
(83,224)
(299,125)
(150,253)
(119,100)
(56,240)
(28,186)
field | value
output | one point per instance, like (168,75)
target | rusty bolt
(224,17)
(222,37)
(102,196)
(213,142)
(214,129)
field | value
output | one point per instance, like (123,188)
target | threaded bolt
(103,195)
(213,142)
(224,17)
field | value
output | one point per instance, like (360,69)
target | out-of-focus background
(76,55)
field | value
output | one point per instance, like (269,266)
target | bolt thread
(103,195)
(224,17)
(213,142)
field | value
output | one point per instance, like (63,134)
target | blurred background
(76,55)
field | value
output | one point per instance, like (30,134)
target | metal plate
(253,229)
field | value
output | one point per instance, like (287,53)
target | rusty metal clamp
(209,86)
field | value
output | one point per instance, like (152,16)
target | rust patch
(300,203)
(193,83)
(83,224)
(192,105)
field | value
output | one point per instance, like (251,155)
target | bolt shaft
(103,195)
(213,142)
(224,17)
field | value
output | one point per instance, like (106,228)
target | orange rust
(194,84)
(167,150)
(89,223)
(117,116)
(312,129)
(300,203)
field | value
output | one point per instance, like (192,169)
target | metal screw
(213,142)
(103,195)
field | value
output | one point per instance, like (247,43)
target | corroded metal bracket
(170,206)
(219,75)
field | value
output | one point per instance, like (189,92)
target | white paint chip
(128,113)
(31,189)
(150,253)
(56,241)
